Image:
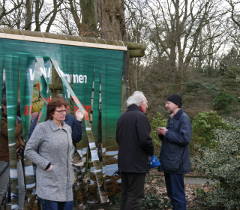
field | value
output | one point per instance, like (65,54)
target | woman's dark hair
(53,104)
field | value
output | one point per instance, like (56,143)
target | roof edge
(60,39)
(134,49)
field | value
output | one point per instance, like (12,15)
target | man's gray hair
(136,98)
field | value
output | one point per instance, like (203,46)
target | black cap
(176,99)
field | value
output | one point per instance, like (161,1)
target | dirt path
(155,187)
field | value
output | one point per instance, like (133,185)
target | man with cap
(174,154)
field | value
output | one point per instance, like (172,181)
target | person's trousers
(21,185)
(132,190)
(4,179)
(176,190)
(55,205)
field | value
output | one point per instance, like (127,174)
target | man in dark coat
(135,148)
(174,154)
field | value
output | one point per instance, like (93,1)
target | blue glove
(154,162)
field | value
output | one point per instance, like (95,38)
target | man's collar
(133,107)
(178,114)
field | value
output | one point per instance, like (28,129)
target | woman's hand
(50,168)
(79,115)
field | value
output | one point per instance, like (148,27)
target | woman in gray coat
(50,148)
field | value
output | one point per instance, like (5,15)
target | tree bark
(29,15)
(89,17)
(111,19)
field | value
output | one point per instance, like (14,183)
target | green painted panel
(27,63)
(82,65)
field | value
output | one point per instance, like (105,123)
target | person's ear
(141,108)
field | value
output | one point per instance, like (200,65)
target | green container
(93,70)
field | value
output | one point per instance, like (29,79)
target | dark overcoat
(134,141)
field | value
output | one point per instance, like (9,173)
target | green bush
(204,124)
(153,201)
(157,121)
(222,102)
(233,71)
(222,164)
(193,87)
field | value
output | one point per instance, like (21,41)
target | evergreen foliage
(157,121)
(222,102)
(153,201)
(204,124)
(221,164)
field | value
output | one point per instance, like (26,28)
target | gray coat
(51,144)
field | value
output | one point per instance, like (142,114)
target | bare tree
(78,17)
(136,31)
(45,14)
(29,14)
(233,23)
(211,41)
(65,23)
(176,28)
(9,10)
(234,11)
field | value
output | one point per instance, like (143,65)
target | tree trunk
(28,16)
(89,17)
(111,19)
(38,7)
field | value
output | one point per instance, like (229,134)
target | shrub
(204,124)
(223,101)
(157,121)
(222,164)
(153,201)
(193,86)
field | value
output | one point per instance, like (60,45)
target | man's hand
(162,131)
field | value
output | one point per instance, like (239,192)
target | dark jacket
(174,155)
(76,126)
(135,143)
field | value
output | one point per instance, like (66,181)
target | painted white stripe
(12,144)
(13,173)
(10,106)
(82,151)
(29,186)
(88,129)
(110,169)
(29,171)
(14,206)
(94,170)
(111,153)
(94,155)
(92,145)
(63,42)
